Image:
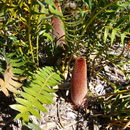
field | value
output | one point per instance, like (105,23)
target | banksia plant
(79,82)
(58,26)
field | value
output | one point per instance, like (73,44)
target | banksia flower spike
(58,26)
(79,82)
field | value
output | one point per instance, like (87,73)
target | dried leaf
(10,82)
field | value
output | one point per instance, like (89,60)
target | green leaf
(49,2)
(34,101)
(43,7)
(39,96)
(113,35)
(123,38)
(34,112)
(48,36)
(106,34)
(17,71)
(33,126)
(19,108)
(24,116)
(23,19)
(124,4)
(46,88)
(55,11)
(37,93)
(41,32)
(24,102)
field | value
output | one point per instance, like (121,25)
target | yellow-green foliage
(37,93)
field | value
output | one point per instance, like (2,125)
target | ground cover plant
(39,41)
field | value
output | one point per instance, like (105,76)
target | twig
(64,86)
(58,116)
(127,125)
(119,92)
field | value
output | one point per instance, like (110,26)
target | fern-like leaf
(37,93)
(13,73)
(114,33)
(17,63)
(10,82)
(73,27)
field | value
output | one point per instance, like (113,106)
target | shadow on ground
(6,113)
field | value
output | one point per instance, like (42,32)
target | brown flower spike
(58,26)
(79,82)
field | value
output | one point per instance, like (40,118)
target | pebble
(71,115)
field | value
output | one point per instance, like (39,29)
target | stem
(37,49)
(30,42)
(29,34)
(119,30)
(119,92)
(106,80)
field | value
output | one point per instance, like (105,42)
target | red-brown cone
(58,26)
(79,82)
